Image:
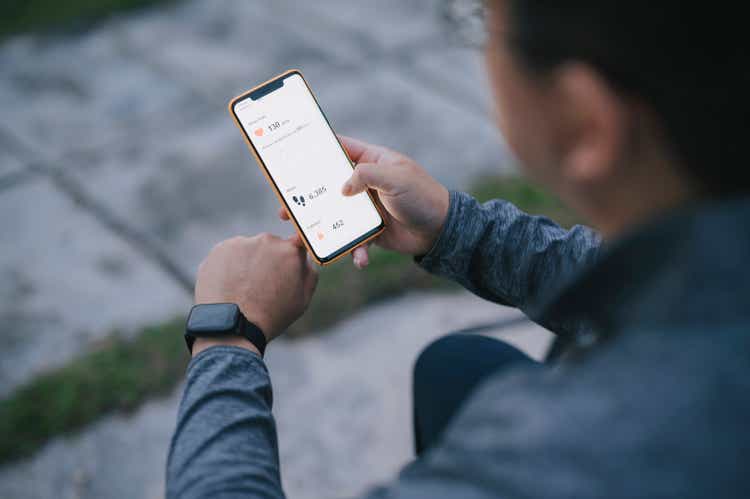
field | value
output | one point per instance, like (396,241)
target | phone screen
(302,156)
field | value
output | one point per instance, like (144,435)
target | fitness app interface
(307,164)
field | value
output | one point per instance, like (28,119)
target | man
(632,113)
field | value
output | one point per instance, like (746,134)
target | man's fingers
(362,152)
(296,240)
(283,214)
(368,175)
(360,257)
(354,148)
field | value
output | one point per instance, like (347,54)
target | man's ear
(595,125)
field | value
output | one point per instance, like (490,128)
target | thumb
(368,176)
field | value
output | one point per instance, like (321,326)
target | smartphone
(306,165)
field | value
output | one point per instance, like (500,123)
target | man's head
(623,108)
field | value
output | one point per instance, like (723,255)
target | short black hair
(688,61)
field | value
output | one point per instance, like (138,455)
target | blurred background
(120,168)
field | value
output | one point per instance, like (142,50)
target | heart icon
(258,132)
(321,235)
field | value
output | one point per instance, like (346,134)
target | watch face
(216,318)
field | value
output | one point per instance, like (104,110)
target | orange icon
(321,235)
(258,132)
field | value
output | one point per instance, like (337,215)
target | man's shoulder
(649,407)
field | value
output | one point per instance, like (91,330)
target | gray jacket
(649,395)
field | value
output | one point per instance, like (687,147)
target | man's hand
(269,278)
(415,204)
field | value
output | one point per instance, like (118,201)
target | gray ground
(120,168)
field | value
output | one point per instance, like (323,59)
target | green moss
(342,289)
(36,15)
(117,375)
(120,374)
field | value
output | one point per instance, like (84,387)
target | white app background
(308,165)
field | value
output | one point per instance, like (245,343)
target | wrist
(250,311)
(264,323)
(431,236)
(224,323)
(236,341)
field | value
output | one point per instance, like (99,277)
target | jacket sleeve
(224,445)
(505,255)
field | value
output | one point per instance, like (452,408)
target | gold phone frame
(345,250)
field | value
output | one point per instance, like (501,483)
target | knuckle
(286,249)
(412,167)
(364,172)
(232,241)
(234,244)
(292,254)
(361,169)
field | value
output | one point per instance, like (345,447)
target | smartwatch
(214,320)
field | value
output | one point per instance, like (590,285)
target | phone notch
(266,89)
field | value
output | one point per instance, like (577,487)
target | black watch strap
(253,334)
(242,327)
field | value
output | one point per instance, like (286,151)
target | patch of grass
(117,375)
(342,289)
(120,374)
(38,15)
